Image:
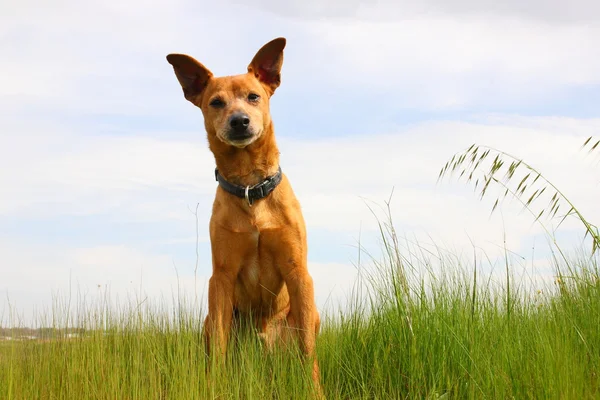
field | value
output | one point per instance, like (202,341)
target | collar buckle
(246,190)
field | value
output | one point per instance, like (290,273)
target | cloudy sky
(103,162)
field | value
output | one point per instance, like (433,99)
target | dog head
(235,108)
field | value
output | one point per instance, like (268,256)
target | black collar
(250,193)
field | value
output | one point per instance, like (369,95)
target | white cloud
(94,174)
(454,62)
(36,277)
(430,60)
(553,11)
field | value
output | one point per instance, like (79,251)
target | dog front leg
(303,308)
(217,326)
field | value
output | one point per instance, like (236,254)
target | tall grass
(448,335)
(419,325)
(521,181)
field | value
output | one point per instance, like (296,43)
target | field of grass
(449,335)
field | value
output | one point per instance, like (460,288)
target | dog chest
(259,281)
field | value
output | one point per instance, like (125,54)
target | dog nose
(239,122)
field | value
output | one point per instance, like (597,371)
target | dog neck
(251,164)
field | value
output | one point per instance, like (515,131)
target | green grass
(449,334)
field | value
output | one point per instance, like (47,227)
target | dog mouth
(239,139)
(239,136)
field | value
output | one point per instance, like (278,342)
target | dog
(257,230)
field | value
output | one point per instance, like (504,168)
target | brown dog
(257,232)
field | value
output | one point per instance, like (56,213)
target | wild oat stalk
(590,144)
(520,180)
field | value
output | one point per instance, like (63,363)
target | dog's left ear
(266,64)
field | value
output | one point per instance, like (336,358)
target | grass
(520,180)
(449,335)
(421,325)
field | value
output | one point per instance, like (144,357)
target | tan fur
(259,253)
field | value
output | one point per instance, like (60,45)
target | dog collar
(250,193)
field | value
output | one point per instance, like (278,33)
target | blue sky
(102,159)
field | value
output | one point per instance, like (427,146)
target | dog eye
(217,103)
(253,97)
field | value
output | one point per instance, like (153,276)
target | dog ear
(266,64)
(192,75)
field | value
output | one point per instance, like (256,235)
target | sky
(103,163)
